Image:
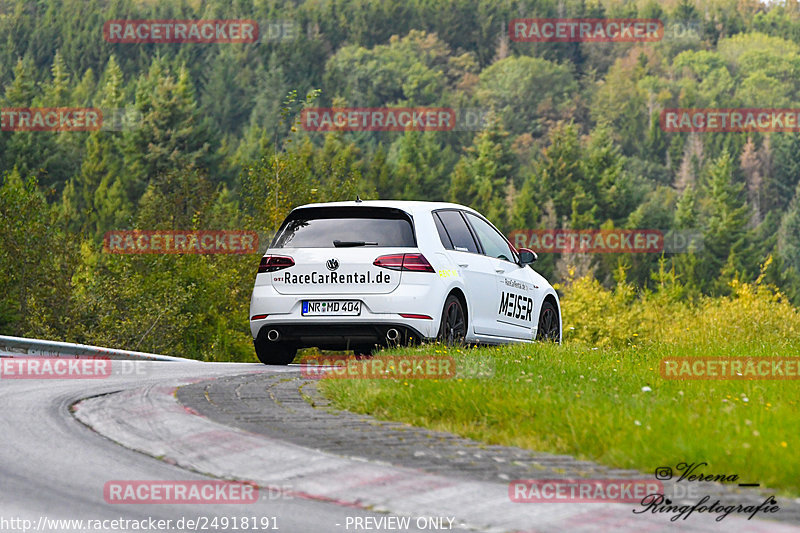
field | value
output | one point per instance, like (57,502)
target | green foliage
(35,254)
(527,91)
(482,175)
(573,140)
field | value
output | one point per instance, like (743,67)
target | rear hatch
(333,250)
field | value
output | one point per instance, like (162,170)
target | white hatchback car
(353,275)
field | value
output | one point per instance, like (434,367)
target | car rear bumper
(341,336)
(379,314)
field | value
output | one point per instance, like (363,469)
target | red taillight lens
(392,262)
(412,262)
(271,263)
(413,315)
(417,263)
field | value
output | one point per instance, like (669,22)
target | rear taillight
(411,262)
(271,263)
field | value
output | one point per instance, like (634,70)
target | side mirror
(526,256)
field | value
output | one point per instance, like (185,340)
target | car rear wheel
(274,353)
(453,328)
(549,329)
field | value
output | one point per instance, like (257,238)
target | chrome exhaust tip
(392,335)
(273,335)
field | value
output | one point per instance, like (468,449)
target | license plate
(331,307)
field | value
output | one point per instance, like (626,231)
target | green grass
(588,401)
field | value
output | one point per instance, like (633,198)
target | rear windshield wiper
(347,244)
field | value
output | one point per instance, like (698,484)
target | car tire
(549,328)
(274,353)
(453,327)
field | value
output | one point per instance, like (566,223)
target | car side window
(446,242)
(457,230)
(494,244)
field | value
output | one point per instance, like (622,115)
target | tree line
(571,139)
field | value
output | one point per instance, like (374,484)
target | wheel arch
(459,293)
(553,299)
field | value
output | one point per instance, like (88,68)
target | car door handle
(499,270)
(464,265)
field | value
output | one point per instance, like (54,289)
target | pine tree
(420,165)
(170,135)
(779,185)
(482,174)
(608,184)
(727,216)
(56,92)
(789,233)
(558,170)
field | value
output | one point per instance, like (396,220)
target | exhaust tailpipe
(273,335)
(392,335)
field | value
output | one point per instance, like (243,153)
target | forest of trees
(572,140)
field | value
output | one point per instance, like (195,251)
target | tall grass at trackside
(589,397)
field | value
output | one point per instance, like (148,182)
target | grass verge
(608,402)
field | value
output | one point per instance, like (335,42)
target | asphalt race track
(132,426)
(53,467)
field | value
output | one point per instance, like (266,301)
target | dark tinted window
(494,244)
(457,230)
(442,232)
(318,227)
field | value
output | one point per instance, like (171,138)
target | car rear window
(318,227)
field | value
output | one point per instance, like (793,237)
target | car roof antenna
(358,199)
